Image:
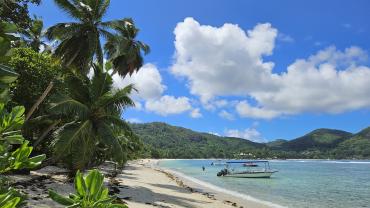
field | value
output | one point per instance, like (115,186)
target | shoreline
(233,198)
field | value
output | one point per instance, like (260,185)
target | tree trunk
(46,132)
(39,101)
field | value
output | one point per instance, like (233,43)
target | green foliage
(165,141)
(16,11)
(321,139)
(7,76)
(19,159)
(10,125)
(80,40)
(10,199)
(35,70)
(90,193)
(94,131)
(123,50)
(7,31)
(33,36)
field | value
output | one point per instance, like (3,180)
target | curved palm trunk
(39,101)
(46,132)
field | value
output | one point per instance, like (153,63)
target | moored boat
(250,172)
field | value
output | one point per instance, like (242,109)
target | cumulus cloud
(227,61)
(134,120)
(223,61)
(147,81)
(150,89)
(251,134)
(226,115)
(168,105)
(195,113)
(329,81)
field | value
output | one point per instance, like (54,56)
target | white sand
(141,184)
(145,186)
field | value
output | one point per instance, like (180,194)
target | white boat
(218,163)
(248,172)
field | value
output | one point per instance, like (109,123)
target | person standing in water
(203,168)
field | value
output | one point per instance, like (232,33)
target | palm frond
(109,139)
(67,135)
(101,83)
(119,99)
(69,106)
(69,8)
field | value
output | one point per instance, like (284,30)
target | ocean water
(298,184)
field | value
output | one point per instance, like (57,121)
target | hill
(319,139)
(165,141)
(357,146)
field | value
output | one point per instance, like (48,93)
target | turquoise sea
(298,184)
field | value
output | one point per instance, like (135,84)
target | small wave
(222,190)
(350,162)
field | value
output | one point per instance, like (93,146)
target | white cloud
(168,105)
(329,81)
(226,115)
(245,110)
(147,81)
(250,134)
(222,61)
(285,38)
(214,133)
(134,120)
(226,61)
(195,113)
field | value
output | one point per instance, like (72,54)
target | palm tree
(94,131)
(80,41)
(123,50)
(34,34)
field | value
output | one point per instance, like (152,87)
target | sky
(260,70)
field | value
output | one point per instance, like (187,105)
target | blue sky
(250,92)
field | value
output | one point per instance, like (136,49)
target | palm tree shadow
(147,196)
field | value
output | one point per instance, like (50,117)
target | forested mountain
(322,139)
(166,141)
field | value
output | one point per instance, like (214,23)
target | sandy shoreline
(141,184)
(166,188)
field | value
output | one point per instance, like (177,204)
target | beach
(147,185)
(141,184)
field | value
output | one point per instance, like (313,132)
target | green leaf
(60,199)
(7,74)
(94,183)
(14,139)
(80,184)
(12,203)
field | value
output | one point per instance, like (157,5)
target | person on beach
(203,168)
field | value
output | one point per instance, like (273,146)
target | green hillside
(357,146)
(166,141)
(319,139)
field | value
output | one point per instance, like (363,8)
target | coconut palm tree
(34,34)
(80,41)
(123,50)
(94,130)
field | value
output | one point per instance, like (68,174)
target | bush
(90,192)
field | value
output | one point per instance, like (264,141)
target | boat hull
(250,175)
